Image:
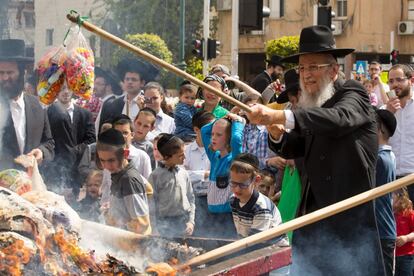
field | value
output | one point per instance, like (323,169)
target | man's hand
(275,131)
(393,104)
(277,162)
(37,154)
(189,228)
(263,115)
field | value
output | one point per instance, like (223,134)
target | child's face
(264,189)
(109,161)
(242,185)
(369,87)
(93,186)
(188,97)
(126,132)
(143,124)
(177,158)
(209,97)
(218,136)
(153,99)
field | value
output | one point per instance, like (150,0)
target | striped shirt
(258,214)
(219,191)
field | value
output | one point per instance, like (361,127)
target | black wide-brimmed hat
(275,60)
(388,120)
(147,71)
(13,50)
(291,85)
(317,40)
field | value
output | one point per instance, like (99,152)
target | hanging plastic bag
(291,195)
(80,65)
(51,69)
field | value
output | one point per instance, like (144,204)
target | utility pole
(206,32)
(235,38)
(181,63)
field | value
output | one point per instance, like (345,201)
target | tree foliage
(284,46)
(195,67)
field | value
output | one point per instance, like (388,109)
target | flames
(61,256)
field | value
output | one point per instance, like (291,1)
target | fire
(167,269)
(13,257)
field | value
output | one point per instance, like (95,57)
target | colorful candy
(16,181)
(51,70)
(80,72)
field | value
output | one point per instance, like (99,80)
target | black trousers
(388,254)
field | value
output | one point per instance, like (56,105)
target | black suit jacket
(111,109)
(70,138)
(339,145)
(38,134)
(261,81)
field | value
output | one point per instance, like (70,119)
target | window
(342,8)
(29,19)
(49,37)
(277,8)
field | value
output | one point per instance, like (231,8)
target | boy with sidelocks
(252,211)
(144,123)
(128,199)
(184,112)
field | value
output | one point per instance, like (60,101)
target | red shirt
(405,225)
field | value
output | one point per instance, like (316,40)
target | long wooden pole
(153,59)
(299,222)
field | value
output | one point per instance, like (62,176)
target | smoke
(4,108)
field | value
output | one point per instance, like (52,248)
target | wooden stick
(153,59)
(300,222)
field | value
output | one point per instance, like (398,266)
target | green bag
(290,196)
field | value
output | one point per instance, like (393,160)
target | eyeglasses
(242,186)
(312,68)
(397,80)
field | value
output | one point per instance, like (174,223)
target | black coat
(71,139)
(38,134)
(339,145)
(261,81)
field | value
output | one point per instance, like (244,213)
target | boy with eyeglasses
(252,211)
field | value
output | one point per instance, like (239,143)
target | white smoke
(4,107)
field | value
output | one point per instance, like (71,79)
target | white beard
(308,100)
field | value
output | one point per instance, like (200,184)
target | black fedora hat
(147,72)
(291,85)
(275,60)
(387,119)
(315,40)
(13,50)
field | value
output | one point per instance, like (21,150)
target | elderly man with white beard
(335,132)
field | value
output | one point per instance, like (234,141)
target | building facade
(372,27)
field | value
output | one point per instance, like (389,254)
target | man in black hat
(274,70)
(134,74)
(335,132)
(25,126)
(291,93)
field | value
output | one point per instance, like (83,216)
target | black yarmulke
(248,158)
(111,137)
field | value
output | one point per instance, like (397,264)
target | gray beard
(308,100)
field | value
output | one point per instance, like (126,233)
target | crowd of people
(207,168)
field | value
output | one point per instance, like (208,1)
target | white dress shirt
(402,141)
(140,160)
(131,108)
(163,124)
(19,120)
(197,163)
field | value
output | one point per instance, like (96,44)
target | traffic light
(251,14)
(198,48)
(394,56)
(212,46)
(325,14)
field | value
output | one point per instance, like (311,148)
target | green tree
(284,46)
(195,67)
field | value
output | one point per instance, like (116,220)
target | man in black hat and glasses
(24,126)
(335,132)
(274,70)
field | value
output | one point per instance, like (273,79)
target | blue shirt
(385,172)
(219,191)
(183,115)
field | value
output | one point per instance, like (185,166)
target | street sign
(361,67)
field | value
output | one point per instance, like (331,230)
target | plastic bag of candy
(15,180)
(51,69)
(80,65)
